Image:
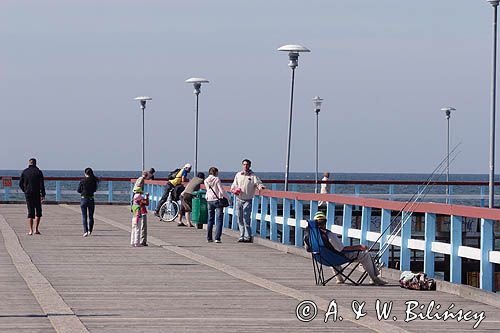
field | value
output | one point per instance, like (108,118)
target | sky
(69,71)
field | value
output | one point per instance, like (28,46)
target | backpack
(173,174)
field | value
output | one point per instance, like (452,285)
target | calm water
(340,189)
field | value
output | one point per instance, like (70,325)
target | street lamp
(293,54)
(142,100)
(447,111)
(494,4)
(196,81)
(317,101)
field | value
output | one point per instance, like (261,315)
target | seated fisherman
(357,252)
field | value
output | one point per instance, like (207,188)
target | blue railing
(281,217)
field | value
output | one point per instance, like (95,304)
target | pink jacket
(214,182)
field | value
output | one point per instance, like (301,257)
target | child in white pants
(139,214)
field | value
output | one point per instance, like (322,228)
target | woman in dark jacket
(87,188)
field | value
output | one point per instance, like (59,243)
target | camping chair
(323,255)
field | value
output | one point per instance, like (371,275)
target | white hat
(187,166)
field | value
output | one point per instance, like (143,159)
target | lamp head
(197,81)
(317,101)
(494,3)
(142,100)
(293,53)
(447,111)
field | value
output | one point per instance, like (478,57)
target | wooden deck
(61,282)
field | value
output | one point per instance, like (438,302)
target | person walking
(187,199)
(87,188)
(215,191)
(244,185)
(139,213)
(33,186)
(325,188)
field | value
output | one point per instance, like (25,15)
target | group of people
(244,185)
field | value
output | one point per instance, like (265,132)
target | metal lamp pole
(447,111)
(196,81)
(317,108)
(142,100)
(293,54)
(491,186)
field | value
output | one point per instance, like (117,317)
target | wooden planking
(100,278)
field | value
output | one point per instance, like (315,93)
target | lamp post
(293,54)
(494,4)
(142,100)
(447,111)
(196,81)
(317,101)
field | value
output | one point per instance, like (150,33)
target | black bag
(173,174)
(221,203)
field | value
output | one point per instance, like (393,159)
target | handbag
(220,202)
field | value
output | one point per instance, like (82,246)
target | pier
(59,281)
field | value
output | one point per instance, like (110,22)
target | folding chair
(323,255)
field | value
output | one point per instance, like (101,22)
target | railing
(64,189)
(281,217)
(116,190)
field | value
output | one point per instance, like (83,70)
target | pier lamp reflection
(196,81)
(293,54)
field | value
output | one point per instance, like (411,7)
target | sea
(465,195)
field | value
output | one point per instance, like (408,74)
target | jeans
(243,209)
(87,205)
(213,214)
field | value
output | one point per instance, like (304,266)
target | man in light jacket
(244,185)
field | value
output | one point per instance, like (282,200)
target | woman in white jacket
(215,191)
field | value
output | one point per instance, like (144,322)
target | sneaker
(209,240)
(248,240)
(241,240)
(144,244)
(340,281)
(157,214)
(378,281)
(218,241)
(85,234)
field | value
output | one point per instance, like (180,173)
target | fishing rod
(401,223)
(417,194)
(414,198)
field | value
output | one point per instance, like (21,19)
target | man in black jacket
(32,184)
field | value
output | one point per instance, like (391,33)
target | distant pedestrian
(139,213)
(187,198)
(325,188)
(244,185)
(33,186)
(215,191)
(87,189)
(152,173)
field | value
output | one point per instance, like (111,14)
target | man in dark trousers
(32,184)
